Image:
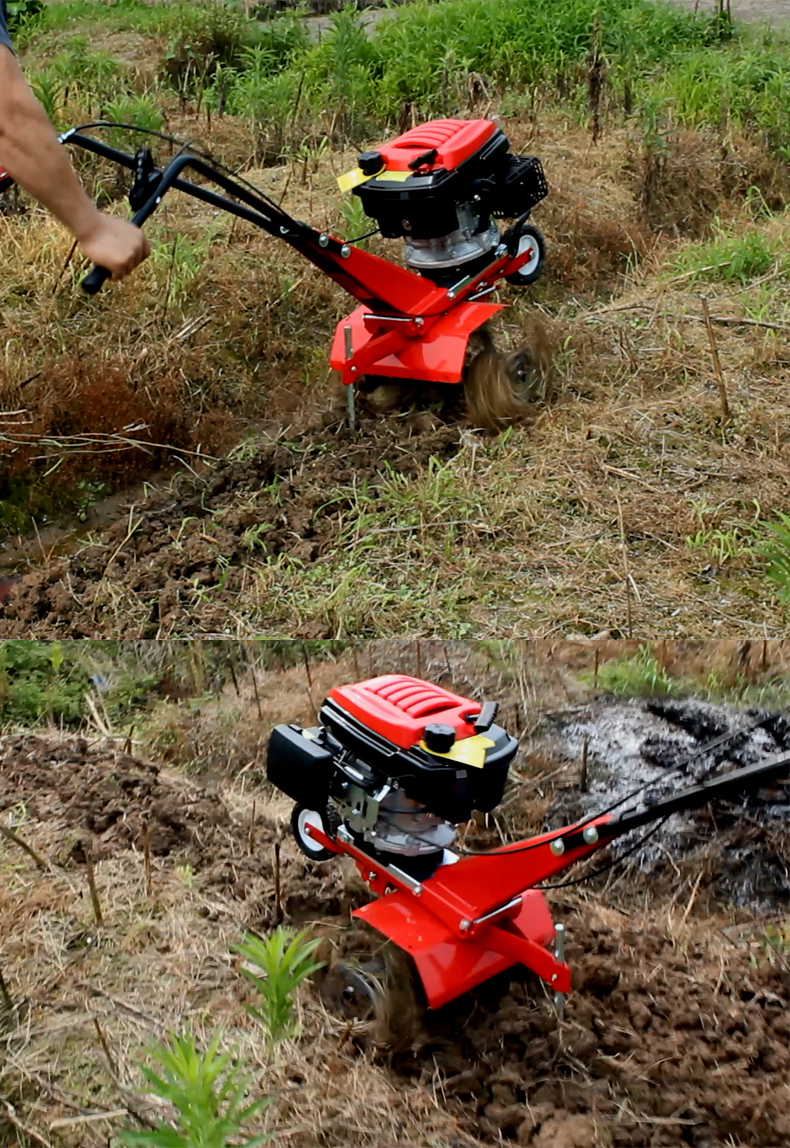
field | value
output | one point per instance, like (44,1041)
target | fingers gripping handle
(98,276)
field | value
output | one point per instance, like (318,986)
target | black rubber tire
(297,816)
(520,278)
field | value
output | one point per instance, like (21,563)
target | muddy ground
(677,1031)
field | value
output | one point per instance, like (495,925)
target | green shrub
(285,959)
(209,1092)
(729,258)
(638,676)
(22,13)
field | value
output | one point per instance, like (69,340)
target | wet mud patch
(204,536)
(645,750)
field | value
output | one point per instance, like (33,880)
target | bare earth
(772,10)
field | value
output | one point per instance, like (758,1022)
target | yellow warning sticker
(467,751)
(357,177)
(352,179)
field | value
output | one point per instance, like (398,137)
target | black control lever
(487,716)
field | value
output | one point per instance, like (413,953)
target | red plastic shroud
(398,707)
(454,140)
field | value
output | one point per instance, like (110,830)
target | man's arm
(32,156)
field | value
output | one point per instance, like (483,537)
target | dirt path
(773,11)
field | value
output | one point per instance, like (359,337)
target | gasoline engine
(394,781)
(441,187)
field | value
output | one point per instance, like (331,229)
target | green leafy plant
(639,676)
(285,959)
(21,11)
(209,1092)
(777,550)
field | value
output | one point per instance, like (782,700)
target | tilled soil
(660,1045)
(201,538)
(669,1038)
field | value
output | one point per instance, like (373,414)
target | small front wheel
(530,239)
(300,819)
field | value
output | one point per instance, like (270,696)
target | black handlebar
(95,279)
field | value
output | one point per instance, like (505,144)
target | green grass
(776,549)
(426,54)
(636,677)
(730,258)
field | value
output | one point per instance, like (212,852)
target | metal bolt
(553,977)
(451,294)
(464,925)
(371,875)
(501,250)
(557,847)
(420,322)
(345,251)
(353,370)
(590,835)
(283,231)
(323,240)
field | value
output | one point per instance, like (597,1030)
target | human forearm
(31,154)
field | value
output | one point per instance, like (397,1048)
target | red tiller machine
(441,188)
(395,765)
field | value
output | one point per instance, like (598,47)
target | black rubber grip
(95,280)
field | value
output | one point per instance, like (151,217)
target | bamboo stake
(11,836)
(626,572)
(418,659)
(278,911)
(447,663)
(92,885)
(146,835)
(8,1004)
(714,350)
(306,661)
(105,1047)
(251,836)
(255,688)
(583,778)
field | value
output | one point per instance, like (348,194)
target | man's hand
(114,244)
(32,156)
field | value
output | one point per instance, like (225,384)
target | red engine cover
(454,140)
(399,707)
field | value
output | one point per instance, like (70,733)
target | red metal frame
(473,918)
(398,707)
(413,329)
